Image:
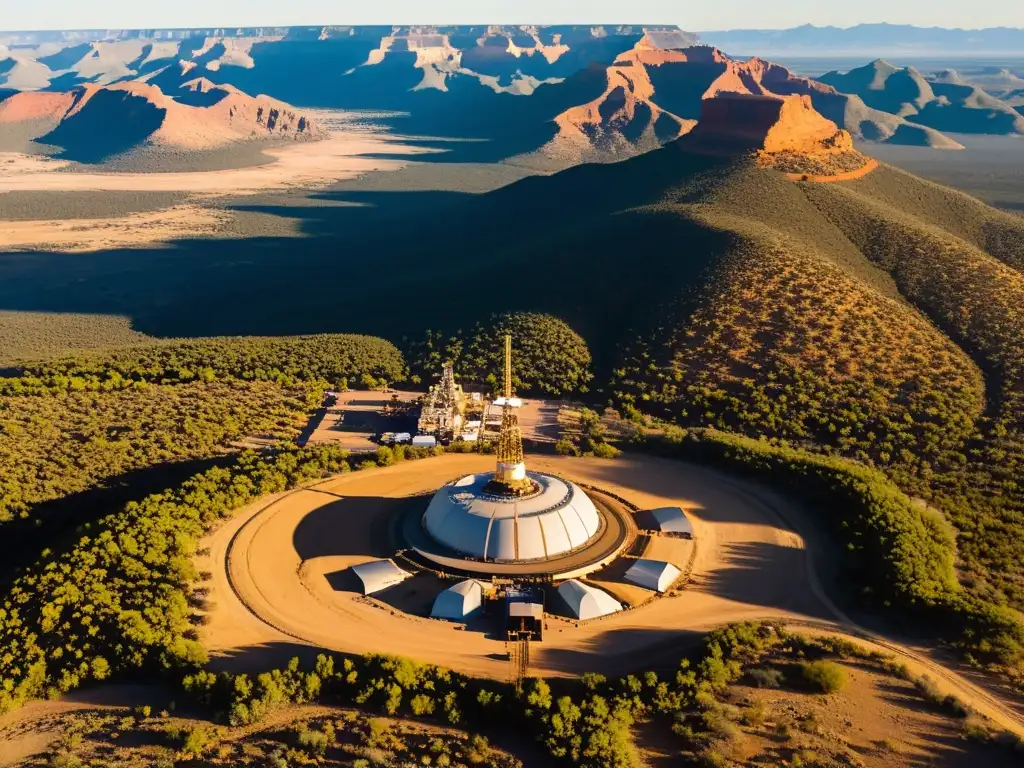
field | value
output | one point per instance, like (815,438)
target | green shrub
(765,677)
(566,447)
(823,676)
(314,743)
(198,742)
(548,357)
(606,451)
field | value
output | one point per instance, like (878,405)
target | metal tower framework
(510,475)
(508,366)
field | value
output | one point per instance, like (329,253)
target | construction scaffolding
(510,473)
(443,407)
(519,658)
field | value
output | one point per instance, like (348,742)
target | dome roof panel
(531,539)
(555,536)
(578,533)
(501,544)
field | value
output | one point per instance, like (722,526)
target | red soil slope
(230,116)
(649,85)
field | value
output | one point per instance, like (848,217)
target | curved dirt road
(278,577)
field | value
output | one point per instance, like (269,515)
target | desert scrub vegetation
(36,335)
(587,723)
(837,324)
(548,357)
(823,676)
(997,232)
(54,446)
(784,344)
(900,554)
(978,300)
(118,600)
(338,737)
(339,360)
(388,711)
(587,438)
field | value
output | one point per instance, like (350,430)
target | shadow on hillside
(586,245)
(110,123)
(53,524)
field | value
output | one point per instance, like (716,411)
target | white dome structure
(586,602)
(459,602)
(553,520)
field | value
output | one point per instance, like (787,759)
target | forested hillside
(80,436)
(549,357)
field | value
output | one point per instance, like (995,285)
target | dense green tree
(548,357)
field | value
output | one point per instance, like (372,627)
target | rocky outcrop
(124,116)
(670,87)
(785,132)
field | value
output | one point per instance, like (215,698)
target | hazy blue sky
(70,14)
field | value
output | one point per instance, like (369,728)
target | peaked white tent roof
(379,574)
(670,520)
(653,574)
(587,602)
(459,601)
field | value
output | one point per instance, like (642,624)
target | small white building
(653,574)
(377,575)
(424,441)
(669,520)
(459,602)
(586,602)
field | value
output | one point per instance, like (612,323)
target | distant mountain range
(870,40)
(550,95)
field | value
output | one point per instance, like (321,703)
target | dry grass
(295,736)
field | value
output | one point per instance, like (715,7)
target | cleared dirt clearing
(747,564)
(270,601)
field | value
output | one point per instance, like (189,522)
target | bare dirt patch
(875,719)
(77,235)
(130,736)
(350,152)
(345,155)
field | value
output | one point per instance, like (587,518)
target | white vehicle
(403,437)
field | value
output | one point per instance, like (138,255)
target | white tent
(668,520)
(459,602)
(379,574)
(585,601)
(653,574)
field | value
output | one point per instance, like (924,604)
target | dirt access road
(276,591)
